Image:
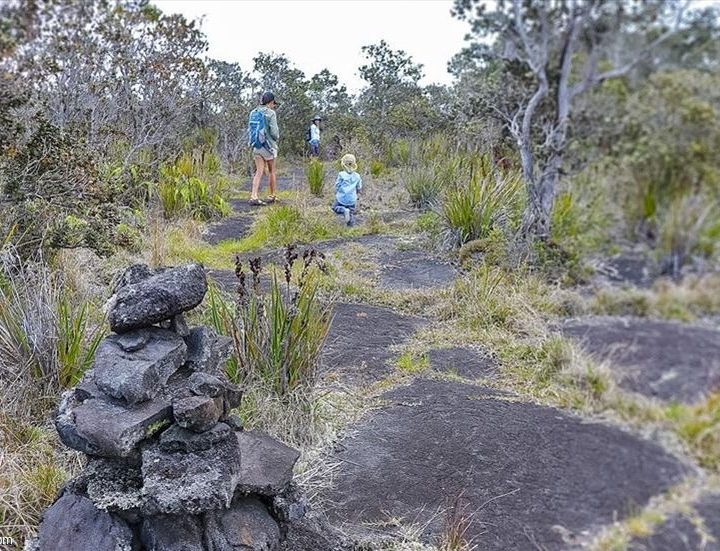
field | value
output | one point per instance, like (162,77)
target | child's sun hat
(349,163)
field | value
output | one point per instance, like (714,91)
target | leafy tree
(545,55)
(393,79)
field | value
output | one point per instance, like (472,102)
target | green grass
(699,426)
(410,363)
(315,172)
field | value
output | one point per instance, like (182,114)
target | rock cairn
(169,467)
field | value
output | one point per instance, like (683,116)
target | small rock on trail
(535,477)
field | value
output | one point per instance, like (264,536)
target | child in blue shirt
(347,185)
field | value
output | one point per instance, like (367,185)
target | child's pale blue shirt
(346,188)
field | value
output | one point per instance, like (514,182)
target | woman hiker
(264,136)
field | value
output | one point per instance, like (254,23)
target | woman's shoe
(271,198)
(256,202)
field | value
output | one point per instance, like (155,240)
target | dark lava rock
(358,343)
(629,269)
(235,227)
(267,465)
(196,413)
(134,274)
(192,482)
(178,439)
(679,533)
(314,535)
(207,351)
(466,362)
(413,270)
(74,523)
(205,384)
(173,533)
(113,485)
(216,386)
(527,472)
(107,428)
(177,324)
(246,526)
(663,359)
(157,298)
(134,366)
(87,388)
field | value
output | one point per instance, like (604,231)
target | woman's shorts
(265,153)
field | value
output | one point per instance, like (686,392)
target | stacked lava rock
(169,468)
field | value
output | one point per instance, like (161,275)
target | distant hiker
(263,136)
(347,186)
(313,137)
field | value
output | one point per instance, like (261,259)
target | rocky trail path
(526,476)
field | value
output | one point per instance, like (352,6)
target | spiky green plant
(315,172)
(472,210)
(423,187)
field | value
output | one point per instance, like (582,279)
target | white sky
(318,34)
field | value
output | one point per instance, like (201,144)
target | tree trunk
(536,223)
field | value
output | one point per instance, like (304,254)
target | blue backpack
(256,129)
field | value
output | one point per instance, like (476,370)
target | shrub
(688,221)
(182,192)
(423,187)
(315,172)
(47,336)
(471,211)
(278,335)
(377,168)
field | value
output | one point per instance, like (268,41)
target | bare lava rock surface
(663,359)
(524,469)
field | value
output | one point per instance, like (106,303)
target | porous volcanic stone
(134,274)
(466,362)
(207,351)
(193,482)
(73,522)
(134,366)
(533,476)
(197,413)
(663,359)
(113,485)
(173,533)
(108,428)
(246,526)
(267,465)
(358,344)
(157,298)
(178,439)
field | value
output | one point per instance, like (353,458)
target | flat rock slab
(466,362)
(530,473)
(663,359)
(358,344)
(413,270)
(232,228)
(628,269)
(679,533)
(267,465)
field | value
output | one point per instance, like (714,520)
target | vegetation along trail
(514,344)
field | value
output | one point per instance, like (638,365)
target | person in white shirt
(314,140)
